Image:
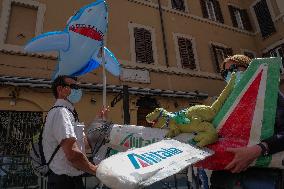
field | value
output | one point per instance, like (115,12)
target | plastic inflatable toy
(80,44)
(197,118)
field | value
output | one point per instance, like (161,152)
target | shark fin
(92,64)
(48,42)
(111,63)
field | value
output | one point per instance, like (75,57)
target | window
(20,21)
(22,24)
(211,9)
(186,53)
(143,46)
(264,19)
(240,18)
(178,5)
(220,53)
(249,54)
(276,52)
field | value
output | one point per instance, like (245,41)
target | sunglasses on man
(72,86)
(232,68)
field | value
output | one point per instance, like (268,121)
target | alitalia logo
(152,157)
(131,141)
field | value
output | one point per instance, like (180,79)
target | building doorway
(145,106)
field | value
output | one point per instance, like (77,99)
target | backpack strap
(53,154)
(43,160)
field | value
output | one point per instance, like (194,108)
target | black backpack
(38,161)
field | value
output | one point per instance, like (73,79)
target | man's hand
(104,112)
(243,158)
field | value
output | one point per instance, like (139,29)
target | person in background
(63,130)
(237,173)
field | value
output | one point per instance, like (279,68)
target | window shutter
(267,54)
(204,9)
(282,54)
(264,19)
(149,50)
(215,56)
(233,17)
(143,46)
(229,52)
(218,11)
(249,54)
(186,53)
(178,4)
(246,20)
(226,51)
(277,51)
(282,48)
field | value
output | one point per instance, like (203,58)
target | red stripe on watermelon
(236,130)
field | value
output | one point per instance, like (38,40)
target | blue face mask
(228,77)
(239,75)
(75,95)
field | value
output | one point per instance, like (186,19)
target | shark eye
(90,10)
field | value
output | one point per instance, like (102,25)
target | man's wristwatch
(264,149)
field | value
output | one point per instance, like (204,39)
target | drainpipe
(126,113)
(163,34)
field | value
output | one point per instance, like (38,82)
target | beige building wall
(28,18)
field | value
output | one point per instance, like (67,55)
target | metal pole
(126,105)
(104,80)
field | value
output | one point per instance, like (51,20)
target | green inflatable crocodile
(196,119)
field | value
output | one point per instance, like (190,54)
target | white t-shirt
(60,124)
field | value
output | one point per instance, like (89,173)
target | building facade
(170,52)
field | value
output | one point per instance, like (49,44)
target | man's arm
(76,157)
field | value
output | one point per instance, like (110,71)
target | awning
(44,83)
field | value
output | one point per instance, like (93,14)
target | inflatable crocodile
(196,119)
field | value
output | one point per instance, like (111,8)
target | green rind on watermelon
(270,104)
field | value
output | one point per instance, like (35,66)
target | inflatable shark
(80,44)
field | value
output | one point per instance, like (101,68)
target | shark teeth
(88,31)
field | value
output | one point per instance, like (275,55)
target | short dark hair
(60,81)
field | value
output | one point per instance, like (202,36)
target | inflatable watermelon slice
(248,115)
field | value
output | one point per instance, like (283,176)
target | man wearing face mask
(63,131)
(237,173)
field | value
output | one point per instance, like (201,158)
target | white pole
(104,79)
